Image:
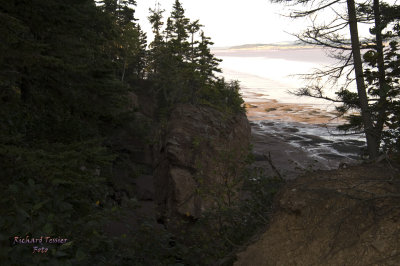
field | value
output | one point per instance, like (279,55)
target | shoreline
(297,131)
(303,113)
(298,138)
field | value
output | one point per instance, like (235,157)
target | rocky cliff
(198,159)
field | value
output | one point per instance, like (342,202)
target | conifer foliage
(181,65)
(61,67)
(66,70)
(382,73)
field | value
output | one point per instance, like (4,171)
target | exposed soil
(339,217)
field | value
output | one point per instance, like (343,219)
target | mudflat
(298,138)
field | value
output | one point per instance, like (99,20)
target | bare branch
(318,93)
(299,14)
(269,160)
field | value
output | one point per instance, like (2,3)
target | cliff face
(198,159)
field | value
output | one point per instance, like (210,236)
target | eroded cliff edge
(198,150)
(186,159)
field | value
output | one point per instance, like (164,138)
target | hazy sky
(235,22)
(231,22)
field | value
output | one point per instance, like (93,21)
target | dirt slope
(340,217)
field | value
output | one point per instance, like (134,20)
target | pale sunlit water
(272,73)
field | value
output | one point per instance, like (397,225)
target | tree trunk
(382,103)
(123,71)
(372,140)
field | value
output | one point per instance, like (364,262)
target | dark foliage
(66,71)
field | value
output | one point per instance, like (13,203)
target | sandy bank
(343,217)
(274,110)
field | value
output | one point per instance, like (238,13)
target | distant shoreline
(278,46)
(288,45)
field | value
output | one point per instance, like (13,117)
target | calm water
(271,73)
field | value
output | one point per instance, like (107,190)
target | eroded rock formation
(198,159)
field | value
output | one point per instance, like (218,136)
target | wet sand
(299,138)
(274,110)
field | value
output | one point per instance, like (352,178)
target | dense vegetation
(68,70)
(182,67)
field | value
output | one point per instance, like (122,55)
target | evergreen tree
(193,28)
(157,45)
(182,66)
(207,64)
(178,31)
(127,48)
(59,100)
(373,98)
(382,72)
(168,55)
